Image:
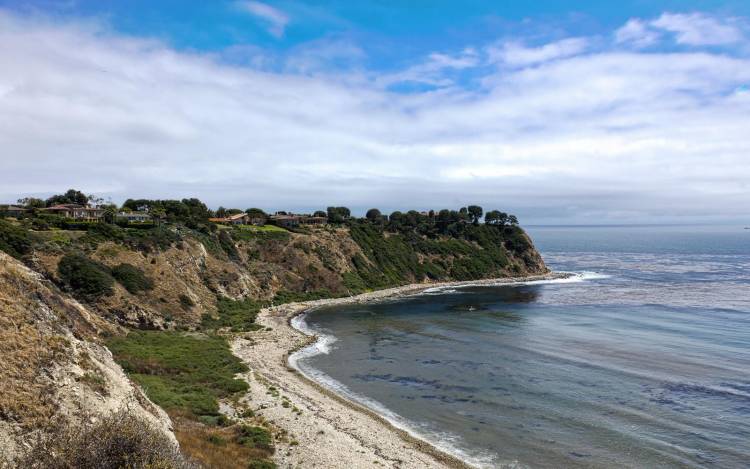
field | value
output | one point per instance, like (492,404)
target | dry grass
(27,349)
(215,447)
(116,441)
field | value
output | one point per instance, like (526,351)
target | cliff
(53,370)
(192,269)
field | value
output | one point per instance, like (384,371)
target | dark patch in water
(579,455)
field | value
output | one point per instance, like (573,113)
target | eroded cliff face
(192,273)
(52,368)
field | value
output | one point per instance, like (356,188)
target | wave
(571,277)
(444,441)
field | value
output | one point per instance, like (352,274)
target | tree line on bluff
(193,213)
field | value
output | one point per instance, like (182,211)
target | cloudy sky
(561,113)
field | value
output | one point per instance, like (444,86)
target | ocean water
(641,360)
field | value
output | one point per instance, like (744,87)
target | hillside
(164,299)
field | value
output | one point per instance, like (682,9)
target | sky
(562,112)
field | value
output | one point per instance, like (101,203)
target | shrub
(261,464)
(132,278)
(85,277)
(14,240)
(255,437)
(185,301)
(119,440)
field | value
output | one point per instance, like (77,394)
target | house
(12,211)
(284,220)
(291,220)
(312,220)
(76,212)
(134,217)
(240,219)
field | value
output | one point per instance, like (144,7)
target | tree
(475,211)
(157,214)
(31,202)
(233,211)
(338,214)
(374,215)
(491,217)
(513,220)
(72,196)
(258,213)
(110,213)
(320,213)
(221,212)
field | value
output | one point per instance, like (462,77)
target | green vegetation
(262,464)
(254,437)
(14,240)
(266,232)
(86,278)
(132,278)
(185,372)
(286,296)
(338,214)
(239,316)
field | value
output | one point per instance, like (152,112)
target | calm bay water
(643,360)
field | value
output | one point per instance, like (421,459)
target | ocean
(641,359)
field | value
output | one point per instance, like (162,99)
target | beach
(322,428)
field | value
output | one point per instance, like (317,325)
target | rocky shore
(323,429)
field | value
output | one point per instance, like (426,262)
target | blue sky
(559,111)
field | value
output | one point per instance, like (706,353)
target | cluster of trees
(441,219)
(194,213)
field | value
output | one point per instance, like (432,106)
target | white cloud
(698,29)
(516,54)
(273,17)
(637,33)
(606,132)
(433,70)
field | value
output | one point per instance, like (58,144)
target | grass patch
(181,371)
(264,228)
(238,316)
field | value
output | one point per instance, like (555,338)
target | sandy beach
(322,428)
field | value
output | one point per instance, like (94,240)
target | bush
(132,278)
(186,302)
(179,371)
(119,440)
(85,277)
(255,437)
(14,240)
(262,464)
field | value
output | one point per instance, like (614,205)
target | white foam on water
(444,441)
(571,277)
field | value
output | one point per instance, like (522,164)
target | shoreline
(331,429)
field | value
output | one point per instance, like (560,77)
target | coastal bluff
(145,322)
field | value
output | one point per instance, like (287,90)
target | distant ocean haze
(641,360)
